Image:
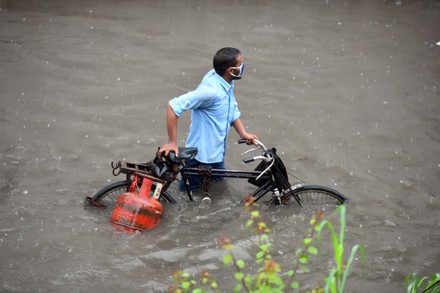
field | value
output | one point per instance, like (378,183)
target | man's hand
(171,146)
(250,138)
(167,148)
(239,127)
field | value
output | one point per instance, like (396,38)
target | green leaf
(307,241)
(435,279)
(248,281)
(294,285)
(304,259)
(265,247)
(312,250)
(264,237)
(227,259)
(240,263)
(350,261)
(185,275)
(238,287)
(186,285)
(249,223)
(259,255)
(239,276)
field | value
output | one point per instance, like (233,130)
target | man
(214,110)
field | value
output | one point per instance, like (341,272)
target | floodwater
(348,92)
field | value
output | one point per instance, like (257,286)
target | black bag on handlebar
(260,167)
(277,170)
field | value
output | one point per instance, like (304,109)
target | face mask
(240,74)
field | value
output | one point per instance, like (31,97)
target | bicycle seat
(185,155)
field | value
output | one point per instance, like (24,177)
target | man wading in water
(214,111)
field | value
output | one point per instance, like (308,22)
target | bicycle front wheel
(315,195)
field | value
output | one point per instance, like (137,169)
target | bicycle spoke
(111,197)
(315,197)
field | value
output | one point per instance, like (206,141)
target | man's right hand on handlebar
(250,138)
(167,148)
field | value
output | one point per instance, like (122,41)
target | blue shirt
(214,109)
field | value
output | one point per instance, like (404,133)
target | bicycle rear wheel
(315,195)
(107,196)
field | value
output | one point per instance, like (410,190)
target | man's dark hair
(225,58)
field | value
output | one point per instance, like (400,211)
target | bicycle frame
(270,175)
(225,173)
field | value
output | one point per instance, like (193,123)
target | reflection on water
(347,92)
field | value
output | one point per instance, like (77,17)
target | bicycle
(270,176)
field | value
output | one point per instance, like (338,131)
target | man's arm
(172,133)
(239,127)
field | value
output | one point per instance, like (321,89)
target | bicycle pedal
(205,203)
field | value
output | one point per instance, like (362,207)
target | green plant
(190,285)
(337,278)
(414,283)
(270,277)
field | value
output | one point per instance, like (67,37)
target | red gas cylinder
(137,211)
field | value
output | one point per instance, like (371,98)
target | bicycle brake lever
(248,160)
(248,151)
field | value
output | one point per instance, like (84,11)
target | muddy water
(348,91)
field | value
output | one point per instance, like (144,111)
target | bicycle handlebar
(266,155)
(257,142)
(248,160)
